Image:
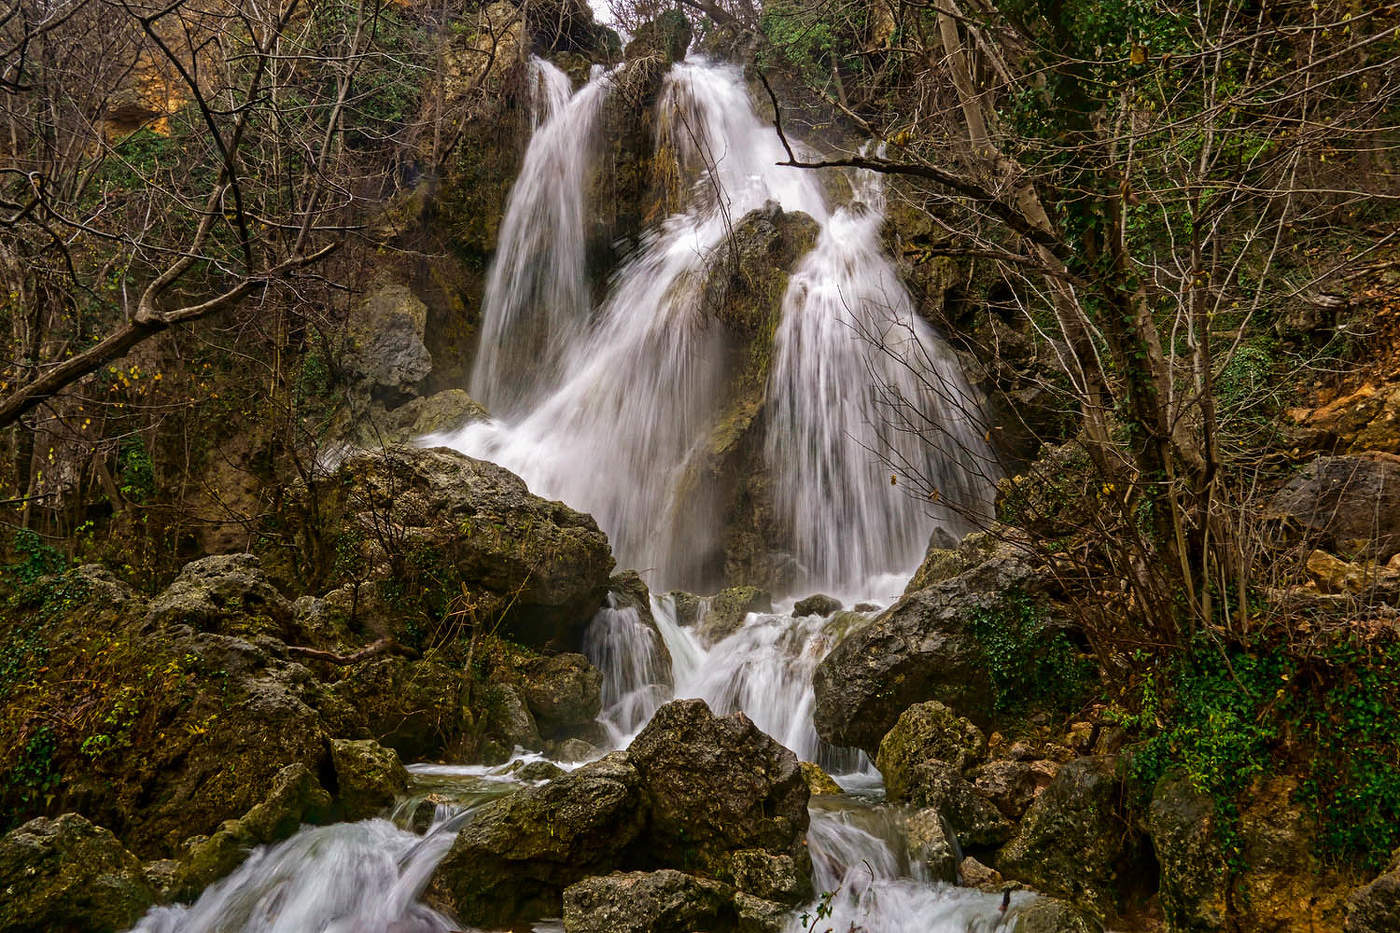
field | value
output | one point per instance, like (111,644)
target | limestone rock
(562,691)
(539,567)
(65,874)
(664,901)
(417,708)
(386,333)
(227,594)
(1278,889)
(1071,842)
(514,859)
(1194,879)
(818,781)
(508,718)
(818,604)
(1009,784)
(716,785)
(1375,907)
(924,731)
(941,786)
(931,841)
(974,874)
(1052,915)
(1349,505)
(368,777)
(727,611)
(921,648)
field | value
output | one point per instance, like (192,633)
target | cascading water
(606,409)
(537,306)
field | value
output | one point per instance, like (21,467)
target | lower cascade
(861,400)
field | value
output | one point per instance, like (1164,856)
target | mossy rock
(926,731)
(728,609)
(368,777)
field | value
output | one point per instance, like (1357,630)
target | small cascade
(860,858)
(635,677)
(537,292)
(868,405)
(345,878)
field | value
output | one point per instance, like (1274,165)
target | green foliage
(136,160)
(136,477)
(811,41)
(1030,663)
(33,778)
(37,559)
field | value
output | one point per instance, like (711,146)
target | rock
(1071,842)
(1052,915)
(508,719)
(296,797)
(818,781)
(946,558)
(687,607)
(562,691)
(816,605)
(727,611)
(537,771)
(1194,882)
(386,339)
(665,38)
(714,786)
(368,777)
(1365,420)
(1349,505)
(664,901)
(1009,784)
(940,785)
(227,594)
(931,841)
(65,874)
(1375,907)
(921,648)
(576,750)
(976,875)
(1334,575)
(513,860)
(417,708)
(1278,889)
(927,731)
(538,569)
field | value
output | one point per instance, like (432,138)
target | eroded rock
(368,777)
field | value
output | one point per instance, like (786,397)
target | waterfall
(537,293)
(628,396)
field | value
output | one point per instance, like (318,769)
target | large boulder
(538,568)
(933,842)
(974,820)
(68,876)
(722,798)
(562,691)
(926,731)
(664,901)
(516,856)
(1349,505)
(386,340)
(727,610)
(228,594)
(1072,841)
(921,648)
(1375,907)
(1195,883)
(420,709)
(368,777)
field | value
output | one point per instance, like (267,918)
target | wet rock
(974,874)
(508,719)
(372,426)
(818,781)
(562,691)
(664,901)
(513,861)
(1071,842)
(537,771)
(368,777)
(687,607)
(629,591)
(921,648)
(946,558)
(932,841)
(717,785)
(927,731)
(227,594)
(386,339)
(816,605)
(295,797)
(417,708)
(1375,907)
(727,611)
(65,874)
(1009,784)
(1052,915)
(576,750)
(539,567)
(1194,879)
(1349,505)
(974,820)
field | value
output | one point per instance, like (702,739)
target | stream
(607,406)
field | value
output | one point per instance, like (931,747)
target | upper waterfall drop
(537,291)
(627,399)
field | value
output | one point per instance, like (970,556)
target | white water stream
(606,408)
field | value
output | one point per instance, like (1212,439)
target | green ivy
(1030,663)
